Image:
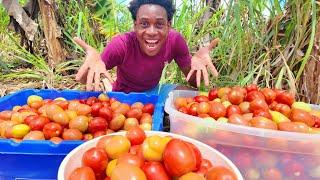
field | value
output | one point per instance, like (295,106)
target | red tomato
(178,158)
(148,108)
(204,166)
(72,134)
(106,113)
(136,135)
(130,159)
(252,87)
(263,113)
(99,133)
(52,130)
(245,107)
(193,109)
(203,108)
(180,102)
(262,122)
(197,154)
(235,96)
(283,108)
(82,173)
(61,103)
(97,124)
(136,150)
(103,141)
(217,110)
(183,110)
(38,123)
(285,98)
(254,95)
(91,100)
(269,94)
(95,109)
(201,98)
(155,171)
(96,158)
(223,91)
(233,109)
(258,104)
(134,113)
(28,119)
(213,94)
(128,172)
(238,119)
(220,173)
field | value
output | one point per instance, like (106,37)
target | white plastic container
(73,159)
(254,150)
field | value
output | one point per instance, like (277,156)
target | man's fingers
(82,71)
(81,43)
(198,78)
(213,69)
(96,81)
(89,80)
(108,76)
(213,43)
(190,74)
(205,77)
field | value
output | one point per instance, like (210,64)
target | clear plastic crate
(255,151)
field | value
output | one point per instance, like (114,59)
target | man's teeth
(152,41)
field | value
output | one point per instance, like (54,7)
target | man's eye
(144,24)
(160,25)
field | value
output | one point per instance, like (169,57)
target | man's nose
(151,30)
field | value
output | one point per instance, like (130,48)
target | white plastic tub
(73,159)
(254,150)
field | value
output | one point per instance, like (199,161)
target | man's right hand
(92,68)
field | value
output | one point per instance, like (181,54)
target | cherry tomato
(136,135)
(82,173)
(220,172)
(235,96)
(127,171)
(213,94)
(269,94)
(251,87)
(155,171)
(96,158)
(258,104)
(97,124)
(252,95)
(201,98)
(262,113)
(131,159)
(148,108)
(285,98)
(178,158)
(51,130)
(217,110)
(180,102)
(233,109)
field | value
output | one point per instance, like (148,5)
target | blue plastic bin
(41,159)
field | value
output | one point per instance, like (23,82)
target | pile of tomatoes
(83,119)
(136,156)
(251,106)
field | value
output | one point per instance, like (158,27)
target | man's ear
(169,24)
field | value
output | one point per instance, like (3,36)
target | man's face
(152,27)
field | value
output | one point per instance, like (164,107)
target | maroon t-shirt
(137,71)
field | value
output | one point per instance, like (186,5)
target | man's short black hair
(166,4)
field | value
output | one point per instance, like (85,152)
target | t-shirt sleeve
(181,52)
(114,53)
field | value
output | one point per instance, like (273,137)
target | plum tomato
(136,135)
(95,158)
(80,122)
(72,134)
(38,123)
(262,122)
(82,173)
(258,104)
(298,115)
(117,122)
(154,171)
(219,172)
(106,113)
(134,113)
(97,124)
(179,158)
(238,119)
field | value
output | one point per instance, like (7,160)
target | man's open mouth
(151,44)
